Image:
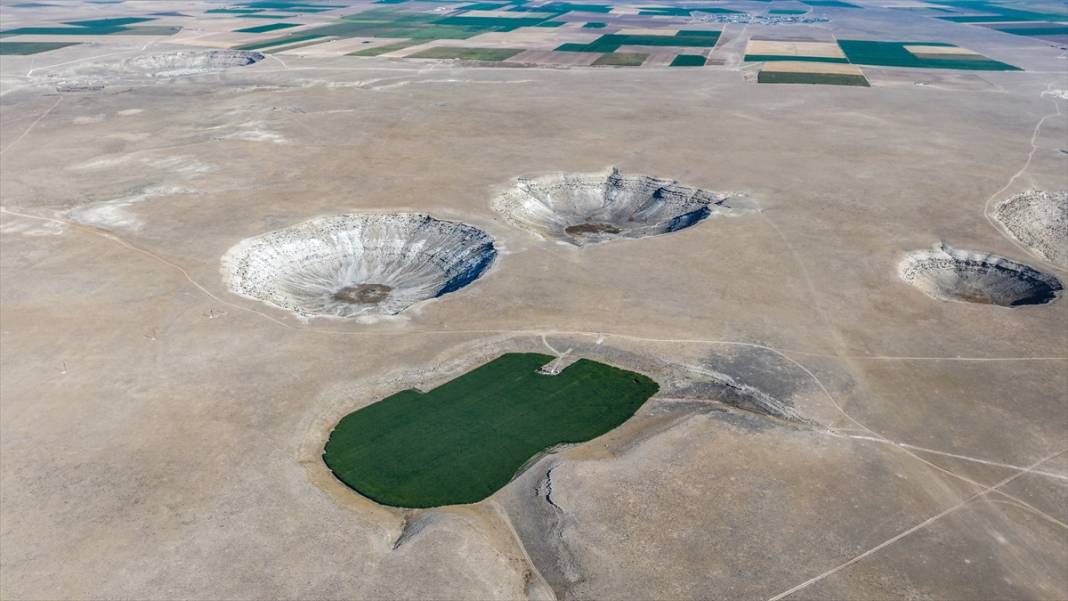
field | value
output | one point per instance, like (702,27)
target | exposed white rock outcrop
(1039,221)
(188,62)
(948,273)
(351,265)
(87,76)
(595,207)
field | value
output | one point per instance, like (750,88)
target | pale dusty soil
(161,437)
(809,67)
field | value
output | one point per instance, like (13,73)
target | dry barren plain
(823,429)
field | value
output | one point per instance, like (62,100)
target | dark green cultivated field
(31,47)
(461,442)
(468,54)
(831,79)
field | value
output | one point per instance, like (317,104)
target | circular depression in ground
(95,75)
(1039,220)
(589,208)
(189,62)
(358,264)
(953,274)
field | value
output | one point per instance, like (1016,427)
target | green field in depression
(462,441)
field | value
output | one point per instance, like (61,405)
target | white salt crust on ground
(952,274)
(588,208)
(1039,221)
(358,264)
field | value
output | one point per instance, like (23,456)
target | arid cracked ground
(823,428)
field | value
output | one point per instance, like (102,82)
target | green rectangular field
(829,3)
(621,59)
(1052,30)
(468,54)
(831,79)
(689,60)
(267,27)
(894,54)
(149,30)
(612,41)
(24,48)
(379,50)
(232,11)
(491,23)
(462,441)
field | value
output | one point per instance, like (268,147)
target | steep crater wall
(96,75)
(359,264)
(948,273)
(582,209)
(1039,221)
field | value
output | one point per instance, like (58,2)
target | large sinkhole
(949,273)
(162,66)
(583,209)
(1038,220)
(189,62)
(351,265)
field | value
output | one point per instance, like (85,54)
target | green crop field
(612,41)
(833,79)
(894,54)
(86,27)
(267,27)
(468,54)
(464,440)
(830,3)
(621,59)
(31,47)
(379,50)
(688,60)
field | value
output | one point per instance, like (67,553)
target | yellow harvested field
(787,48)
(812,67)
(524,37)
(947,50)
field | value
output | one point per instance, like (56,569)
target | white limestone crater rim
(1038,220)
(952,274)
(588,208)
(149,67)
(358,265)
